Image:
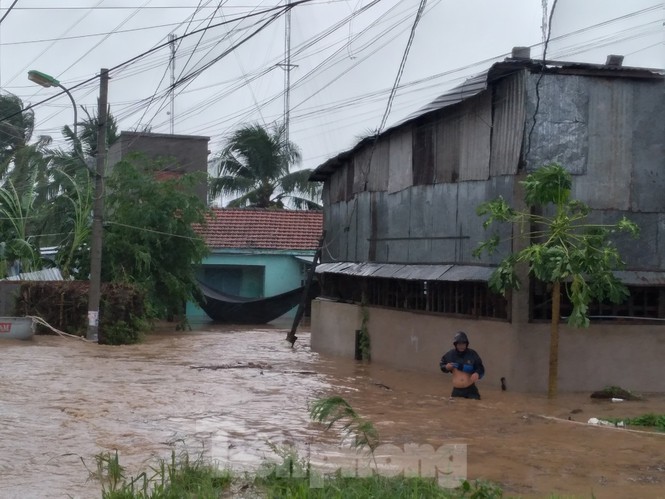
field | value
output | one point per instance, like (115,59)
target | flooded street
(64,401)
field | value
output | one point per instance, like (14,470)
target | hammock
(223,307)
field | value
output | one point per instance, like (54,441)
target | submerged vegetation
(291,478)
(184,478)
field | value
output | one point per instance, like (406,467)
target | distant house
(256,255)
(181,153)
(401,224)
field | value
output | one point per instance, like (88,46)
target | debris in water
(244,365)
(611,392)
(602,422)
(381,385)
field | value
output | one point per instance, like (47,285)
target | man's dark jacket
(468,361)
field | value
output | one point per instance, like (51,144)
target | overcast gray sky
(346,56)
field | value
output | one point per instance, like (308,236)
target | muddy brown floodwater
(63,401)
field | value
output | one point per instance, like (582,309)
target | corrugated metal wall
(561,130)
(475,133)
(608,132)
(425,224)
(399,159)
(508,124)
(372,176)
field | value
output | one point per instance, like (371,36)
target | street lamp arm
(46,81)
(73,105)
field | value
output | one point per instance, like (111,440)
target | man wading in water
(465,365)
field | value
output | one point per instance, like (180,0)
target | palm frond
(335,409)
(259,159)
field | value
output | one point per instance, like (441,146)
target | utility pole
(287,73)
(287,67)
(172,64)
(98,212)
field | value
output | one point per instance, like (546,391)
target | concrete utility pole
(98,212)
(172,38)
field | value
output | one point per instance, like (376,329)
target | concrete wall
(589,359)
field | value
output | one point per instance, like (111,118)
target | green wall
(281,272)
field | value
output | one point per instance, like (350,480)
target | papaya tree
(565,249)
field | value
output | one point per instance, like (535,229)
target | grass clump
(174,479)
(290,479)
(338,486)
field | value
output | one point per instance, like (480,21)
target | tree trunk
(552,386)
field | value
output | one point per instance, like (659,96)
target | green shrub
(124,333)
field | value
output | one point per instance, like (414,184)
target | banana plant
(18,212)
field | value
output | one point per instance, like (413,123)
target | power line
(160,46)
(8,11)
(162,7)
(172,61)
(400,71)
(92,35)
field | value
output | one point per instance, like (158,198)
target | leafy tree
(72,208)
(16,127)
(88,130)
(255,167)
(149,237)
(67,196)
(564,249)
(18,246)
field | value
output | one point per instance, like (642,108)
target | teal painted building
(257,253)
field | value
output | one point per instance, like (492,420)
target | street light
(48,81)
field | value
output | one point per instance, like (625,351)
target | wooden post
(291,336)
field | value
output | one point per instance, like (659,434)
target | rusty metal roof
(641,277)
(479,83)
(409,272)
(460,272)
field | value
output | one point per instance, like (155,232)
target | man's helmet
(460,337)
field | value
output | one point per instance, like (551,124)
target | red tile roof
(262,229)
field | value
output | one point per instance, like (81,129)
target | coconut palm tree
(255,169)
(16,126)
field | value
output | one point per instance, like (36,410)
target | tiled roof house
(263,229)
(256,254)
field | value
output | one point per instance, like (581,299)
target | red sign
(5,327)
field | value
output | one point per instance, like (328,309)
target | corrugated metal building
(401,224)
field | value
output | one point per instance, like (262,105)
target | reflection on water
(228,392)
